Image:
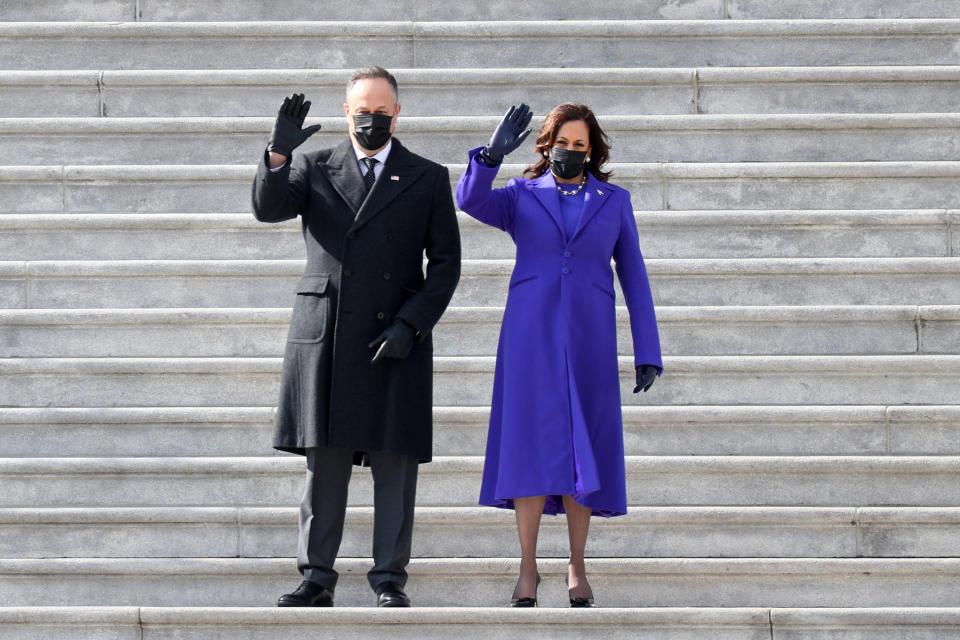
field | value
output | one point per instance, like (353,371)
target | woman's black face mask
(565,163)
(372,130)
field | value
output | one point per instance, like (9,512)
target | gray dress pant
(324,505)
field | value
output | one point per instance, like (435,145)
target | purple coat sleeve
(636,290)
(475,196)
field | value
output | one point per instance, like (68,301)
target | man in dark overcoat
(357,376)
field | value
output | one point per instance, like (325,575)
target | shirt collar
(380,155)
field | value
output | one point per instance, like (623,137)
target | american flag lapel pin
(396,178)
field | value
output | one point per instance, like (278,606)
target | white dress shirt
(381,156)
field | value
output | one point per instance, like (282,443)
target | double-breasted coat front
(364,269)
(556,426)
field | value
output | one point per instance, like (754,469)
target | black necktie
(370,176)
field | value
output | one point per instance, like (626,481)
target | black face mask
(372,130)
(565,163)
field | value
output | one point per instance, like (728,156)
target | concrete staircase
(794,474)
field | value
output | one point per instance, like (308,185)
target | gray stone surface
(462,331)
(27,623)
(475,532)
(32,94)
(156,10)
(659,43)
(68,10)
(459,381)
(923,428)
(453,481)
(818,9)
(680,186)
(927,623)
(674,282)
(871,89)
(622,583)
(663,234)
(82,623)
(423,92)
(122,432)
(430,92)
(916,532)
(647,138)
(673,623)
(649,430)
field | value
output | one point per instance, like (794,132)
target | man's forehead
(369,89)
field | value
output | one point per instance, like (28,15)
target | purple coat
(555,422)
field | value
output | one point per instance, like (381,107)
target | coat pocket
(311,309)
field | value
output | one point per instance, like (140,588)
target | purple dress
(555,424)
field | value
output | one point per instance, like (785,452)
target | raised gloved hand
(509,134)
(646,374)
(288,132)
(395,342)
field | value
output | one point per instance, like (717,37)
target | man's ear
(346,109)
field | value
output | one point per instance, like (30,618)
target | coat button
(380,316)
(348,273)
(386,276)
(565,271)
(567,254)
(350,236)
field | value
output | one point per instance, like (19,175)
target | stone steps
(648,430)
(466,331)
(648,582)
(213,10)
(653,186)
(674,282)
(645,532)
(664,234)
(468,381)
(646,623)
(303,44)
(640,138)
(454,481)
(633,90)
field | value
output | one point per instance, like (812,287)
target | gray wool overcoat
(364,269)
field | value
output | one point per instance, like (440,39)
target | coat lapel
(596,194)
(400,171)
(545,190)
(343,172)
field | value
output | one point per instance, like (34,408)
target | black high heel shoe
(578,603)
(523,602)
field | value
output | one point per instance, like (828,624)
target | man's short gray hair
(368,73)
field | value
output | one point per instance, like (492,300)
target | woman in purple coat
(555,442)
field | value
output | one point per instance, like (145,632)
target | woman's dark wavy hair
(599,142)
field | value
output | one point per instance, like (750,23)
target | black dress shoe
(524,602)
(390,594)
(308,594)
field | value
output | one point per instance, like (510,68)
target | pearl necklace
(575,191)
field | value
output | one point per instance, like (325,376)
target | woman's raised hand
(509,134)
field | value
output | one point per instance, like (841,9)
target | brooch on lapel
(599,193)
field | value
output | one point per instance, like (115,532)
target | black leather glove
(508,135)
(395,342)
(288,133)
(646,374)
